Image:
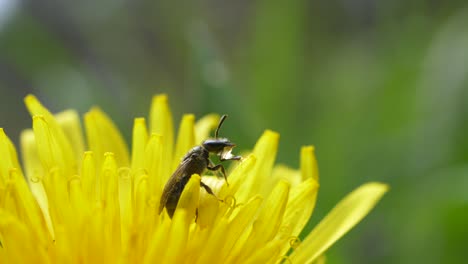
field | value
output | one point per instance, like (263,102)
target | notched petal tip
(308,148)
(273,135)
(377,187)
(185,138)
(160,98)
(309,166)
(109,154)
(267,145)
(139,120)
(30,100)
(189,117)
(35,107)
(161,122)
(28,96)
(139,142)
(103,135)
(259,180)
(94,109)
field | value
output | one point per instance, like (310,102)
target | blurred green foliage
(379,87)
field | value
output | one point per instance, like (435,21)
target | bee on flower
(90,201)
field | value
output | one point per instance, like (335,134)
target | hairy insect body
(194,162)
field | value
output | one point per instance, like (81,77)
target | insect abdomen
(173,197)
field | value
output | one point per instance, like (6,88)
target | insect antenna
(219,125)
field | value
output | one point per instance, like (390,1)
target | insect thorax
(197,159)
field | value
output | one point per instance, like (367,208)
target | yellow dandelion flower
(73,202)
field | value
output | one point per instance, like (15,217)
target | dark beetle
(195,162)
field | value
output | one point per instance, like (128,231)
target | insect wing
(172,184)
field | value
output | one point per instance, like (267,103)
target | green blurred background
(379,87)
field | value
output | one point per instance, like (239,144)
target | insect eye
(216,146)
(213,146)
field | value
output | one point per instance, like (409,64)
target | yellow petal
(237,178)
(141,197)
(309,167)
(77,232)
(320,260)
(89,180)
(57,160)
(340,220)
(185,139)
(153,164)
(300,205)
(56,187)
(259,178)
(108,178)
(210,253)
(6,163)
(140,138)
(103,136)
(161,123)
(198,238)
(269,220)
(31,161)
(238,248)
(282,172)
(158,244)
(34,173)
(266,253)
(299,209)
(60,140)
(17,243)
(9,158)
(208,208)
(69,121)
(116,200)
(238,225)
(125,201)
(51,152)
(188,200)
(62,245)
(26,207)
(204,126)
(94,236)
(303,196)
(77,198)
(178,236)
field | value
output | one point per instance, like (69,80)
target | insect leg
(232,158)
(218,167)
(208,190)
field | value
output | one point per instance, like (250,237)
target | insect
(195,162)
